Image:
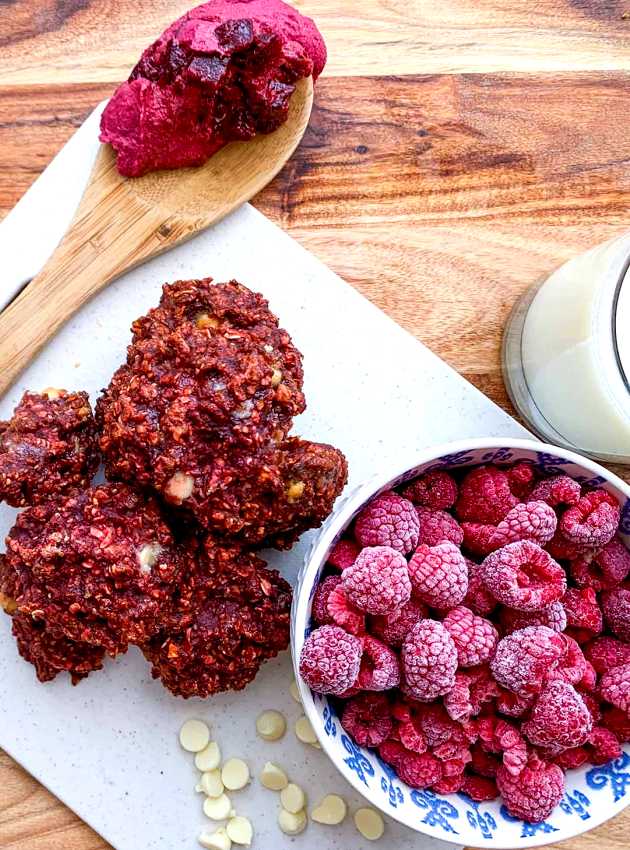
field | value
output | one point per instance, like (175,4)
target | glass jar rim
(621,324)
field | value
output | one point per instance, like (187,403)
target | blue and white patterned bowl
(593,794)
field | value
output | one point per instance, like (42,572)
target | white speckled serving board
(108,748)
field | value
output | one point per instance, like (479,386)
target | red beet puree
(225,71)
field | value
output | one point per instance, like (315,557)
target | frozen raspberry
(592,703)
(572,667)
(499,736)
(388,520)
(603,746)
(572,758)
(319,609)
(436,490)
(449,784)
(560,548)
(429,660)
(615,687)
(593,521)
(524,659)
(367,719)
(438,728)
(379,666)
(330,660)
(352,691)
(479,538)
(588,681)
(534,794)
(480,789)
(343,554)
(438,527)
(557,490)
(582,609)
(474,637)
(618,722)
(472,690)
(485,496)
(412,737)
(458,701)
(523,576)
(616,609)
(522,478)
(514,705)
(604,653)
(559,719)
(343,613)
(419,771)
(391,752)
(603,569)
(439,575)
(393,628)
(533,520)
(482,762)
(553,616)
(378,581)
(478,598)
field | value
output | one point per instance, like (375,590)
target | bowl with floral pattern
(592,794)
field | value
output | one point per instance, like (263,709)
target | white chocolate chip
(331,810)
(235,774)
(217,808)
(276,377)
(240,831)
(217,840)
(148,556)
(271,725)
(305,731)
(295,491)
(212,784)
(292,798)
(268,348)
(52,393)
(209,758)
(194,736)
(273,777)
(179,487)
(294,691)
(369,823)
(292,824)
(198,788)
(316,745)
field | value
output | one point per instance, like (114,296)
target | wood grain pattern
(100,40)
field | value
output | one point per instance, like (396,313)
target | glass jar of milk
(566,354)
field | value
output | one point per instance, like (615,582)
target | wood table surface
(458,152)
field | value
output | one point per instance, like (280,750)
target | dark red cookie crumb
(436,490)
(524,659)
(429,660)
(593,521)
(330,660)
(524,576)
(559,719)
(379,670)
(534,793)
(439,575)
(378,582)
(367,718)
(485,496)
(48,448)
(389,520)
(474,637)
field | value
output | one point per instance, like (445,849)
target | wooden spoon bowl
(122,222)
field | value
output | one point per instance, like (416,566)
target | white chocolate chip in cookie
(217,840)
(194,736)
(212,784)
(305,731)
(369,823)
(240,831)
(271,725)
(53,393)
(179,487)
(235,774)
(148,557)
(331,810)
(293,798)
(209,758)
(292,824)
(217,808)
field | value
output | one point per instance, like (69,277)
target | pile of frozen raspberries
(476,633)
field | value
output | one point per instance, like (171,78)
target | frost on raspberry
(522,478)
(499,736)
(393,628)
(557,490)
(485,496)
(553,616)
(412,737)
(603,569)
(475,637)
(572,758)
(342,612)
(593,521)
(319,608)
(523,660)
(429,660)
(436,490)
(615,687)
(604,653)
(512,704)
(524,576)
(367,719)
(378,581)
(479,538)
(439,575)
(473,689)
(482,762)
(559,719)
(438,728)
(582,610)
(330,660)
(533,520)
(534,793)
(343,554)
(438,527)
(480,789)
(603,746)
(616,610)
(419,771)
(379,669)
(478,598)
(572,667)
(388,520)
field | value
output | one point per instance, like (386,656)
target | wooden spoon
(121,222)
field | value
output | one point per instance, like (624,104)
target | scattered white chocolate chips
(369,823)
(194,736)
(331,810)
(294,691)
(179,487)
(271,725)
(235,774)
(148,557)
(212,783)
(304,731)
(217,808)
(273,777)
(292,824)
(293,798)
(240,830)
(209,758)
(217,840)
